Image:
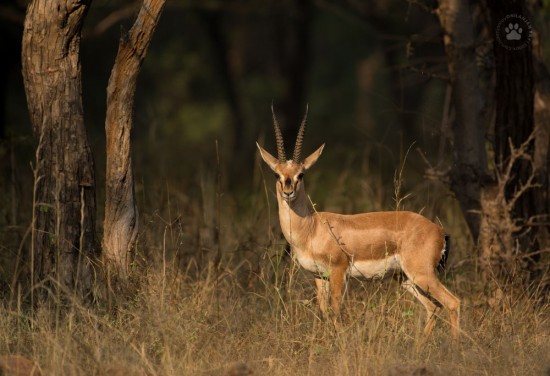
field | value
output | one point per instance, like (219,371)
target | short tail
(444,253)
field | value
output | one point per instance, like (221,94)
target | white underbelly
(310,264)
(359,269)
(374,268)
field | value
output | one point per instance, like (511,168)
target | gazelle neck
(296,218)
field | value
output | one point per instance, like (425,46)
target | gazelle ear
(268,158)
(312,158)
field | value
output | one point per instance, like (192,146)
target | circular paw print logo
(513,32)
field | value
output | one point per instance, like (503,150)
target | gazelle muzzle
(288,189)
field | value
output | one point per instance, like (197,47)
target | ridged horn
(279,137)
(300,139)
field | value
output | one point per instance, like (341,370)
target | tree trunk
(120,225)
(468,172)
(503,210)
(63,231)
(514,127)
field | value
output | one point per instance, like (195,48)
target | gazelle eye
(277,176)
(300,176)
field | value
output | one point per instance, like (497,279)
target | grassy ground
(175,325)
(257,311)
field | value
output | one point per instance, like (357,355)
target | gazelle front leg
(332,289)
(337,277)
(323,295)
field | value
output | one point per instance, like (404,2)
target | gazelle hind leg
(452,304)
(430,287)
(431,309)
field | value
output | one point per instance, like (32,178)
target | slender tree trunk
(120,225)
(63,231)
(468,172)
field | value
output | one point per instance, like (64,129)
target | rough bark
(63,231)
(120,225)
(502,205)
(514,129)
(468,172)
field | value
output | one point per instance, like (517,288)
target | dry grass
(175,325)
(257,314)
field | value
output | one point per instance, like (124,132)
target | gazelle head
(289,173)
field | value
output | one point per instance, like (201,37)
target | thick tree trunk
(515,126)
(468,172)
(121,214)
(63,231)
(503,208)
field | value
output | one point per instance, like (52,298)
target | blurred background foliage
(350,62)
(373,74)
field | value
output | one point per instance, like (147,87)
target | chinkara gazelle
(336,246)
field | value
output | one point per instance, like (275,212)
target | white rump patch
(375,268)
